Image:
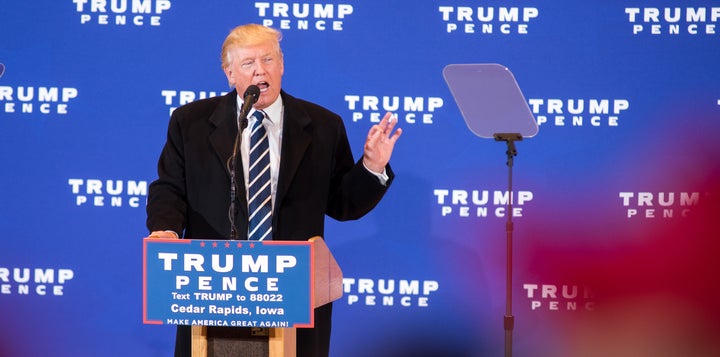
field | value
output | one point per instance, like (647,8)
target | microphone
(250,97)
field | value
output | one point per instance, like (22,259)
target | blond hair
(247,36)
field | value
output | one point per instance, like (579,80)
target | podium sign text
(227,283)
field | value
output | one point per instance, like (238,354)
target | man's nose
(259,68)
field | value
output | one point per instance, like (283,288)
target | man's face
(260,65)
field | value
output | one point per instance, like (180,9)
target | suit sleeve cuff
(381,176)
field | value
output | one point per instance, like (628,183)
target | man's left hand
(380,143)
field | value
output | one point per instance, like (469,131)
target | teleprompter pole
(509,319)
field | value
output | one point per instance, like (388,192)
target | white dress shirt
(273,125)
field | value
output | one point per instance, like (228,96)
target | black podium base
(241,342)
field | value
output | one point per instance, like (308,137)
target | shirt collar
(274,111)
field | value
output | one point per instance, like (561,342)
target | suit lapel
(296,138)
(222,139)
(222,136)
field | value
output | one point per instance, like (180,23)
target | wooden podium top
(328,276)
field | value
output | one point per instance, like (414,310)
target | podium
(179,259)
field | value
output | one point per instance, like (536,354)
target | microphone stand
(509,319)
(231,166)
(249,98)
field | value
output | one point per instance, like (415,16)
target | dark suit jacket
(317,173)
(317,177)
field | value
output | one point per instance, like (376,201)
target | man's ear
(229,75)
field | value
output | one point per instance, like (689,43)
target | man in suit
(312,168)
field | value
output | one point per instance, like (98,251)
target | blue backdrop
(614,243)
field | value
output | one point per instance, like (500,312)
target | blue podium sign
(227,283)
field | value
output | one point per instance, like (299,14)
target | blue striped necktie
(259,196)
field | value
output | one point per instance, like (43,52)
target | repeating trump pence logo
(43,100)
(488,20)
(406,109)
(557,297)
(108,193)
(304,16)
(579,112)
(121,12)
(34,281)
(31,99)
(389,292)
(175,98)
(650,205)
(673,21)
(480,203)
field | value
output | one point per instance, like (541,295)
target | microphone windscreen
(253,91)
